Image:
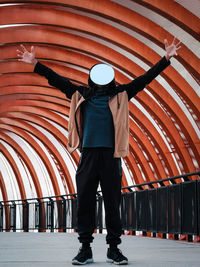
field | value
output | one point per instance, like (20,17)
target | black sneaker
(115,256)
(83,257)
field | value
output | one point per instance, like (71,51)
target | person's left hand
(171,50)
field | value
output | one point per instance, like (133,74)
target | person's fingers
(19,52)
(178,44)
(178,48)
(19,55)
(23,47)
(174,40)
(33,50)
(19,59)
(166,43)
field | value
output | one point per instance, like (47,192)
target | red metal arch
(140,24)
(3,188)
(188,94)
(154,136)
(176,13)
(26,160)
(48,144)
(12,125)
(171,132)
(16,171)
(5,197)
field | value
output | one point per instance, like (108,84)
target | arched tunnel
(71,36)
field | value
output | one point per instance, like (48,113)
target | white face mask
(102,74)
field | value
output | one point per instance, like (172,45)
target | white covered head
(101,74)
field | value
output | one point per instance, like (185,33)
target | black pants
(98,165)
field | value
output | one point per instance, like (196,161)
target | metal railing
(167,209)
(161,206)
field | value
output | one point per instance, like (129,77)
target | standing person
(99,126)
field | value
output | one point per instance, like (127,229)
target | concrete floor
(57,250)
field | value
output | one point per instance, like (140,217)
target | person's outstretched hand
(171,50)
(27,57)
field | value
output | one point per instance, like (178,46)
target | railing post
(37,215)
(1,217)
(13,216)
(62,214)
(50,214)
(25,216)
(40,216)
(74,212)
(189,209)
(198,207)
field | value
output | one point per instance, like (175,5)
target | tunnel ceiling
(70,37)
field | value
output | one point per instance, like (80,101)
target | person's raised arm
(54,79)
(140,82)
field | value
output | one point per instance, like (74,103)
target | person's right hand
(27,57)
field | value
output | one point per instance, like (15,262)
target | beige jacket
(120,113)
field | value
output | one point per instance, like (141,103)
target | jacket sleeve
(140,82)
(54,79)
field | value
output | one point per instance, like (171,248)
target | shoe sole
(82,263)
(117,263)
